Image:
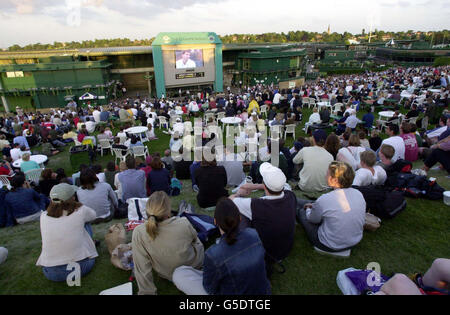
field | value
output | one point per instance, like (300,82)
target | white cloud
(146,18)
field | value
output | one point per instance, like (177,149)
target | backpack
(382,203)
(415,186)
(203,224)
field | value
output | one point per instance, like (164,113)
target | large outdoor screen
(189,59)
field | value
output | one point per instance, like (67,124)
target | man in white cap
(273,216)
(178,127)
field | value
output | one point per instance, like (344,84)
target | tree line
(435,38)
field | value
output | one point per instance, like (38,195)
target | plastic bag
(122,257)
(345,284)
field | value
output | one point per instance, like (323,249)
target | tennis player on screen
(185,61)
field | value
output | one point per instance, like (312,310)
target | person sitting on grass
(435,281)
(159,177)
(47,182)
(66,235)
(369,173)
(273,216)
(440,153)
(160,235)
(132,181)
(211,180)
(315,161)
(335,221)
(47,149)
(23,204)
(411,145)
(98,196)
(351,153)
(234,266)
(135,142)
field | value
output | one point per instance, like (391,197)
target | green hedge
(442,61)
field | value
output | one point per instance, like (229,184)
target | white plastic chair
(208,116)
(220,115)
(105,145)
(291,130)
(264,109)
(337,108)
(163,121)
(123,139)
(140,151)
(119,155)
(34,175)
(5,181)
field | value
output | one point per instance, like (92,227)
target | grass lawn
(408,243)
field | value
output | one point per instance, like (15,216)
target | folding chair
(34,175)
(291,130)
(5,181)
(163,121)
(105,145)
(140,151)
(120,156)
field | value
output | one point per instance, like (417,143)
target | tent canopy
(88,96)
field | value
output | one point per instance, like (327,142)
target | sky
(25,22)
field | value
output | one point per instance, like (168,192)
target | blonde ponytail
(157,208)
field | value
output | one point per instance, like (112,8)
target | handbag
(372,223)
(115,236)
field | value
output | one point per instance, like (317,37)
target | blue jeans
(60,273)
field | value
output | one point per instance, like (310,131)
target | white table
(435,90)
(39,159)
(138,131)
(388,114)
(323,104)
(231,120)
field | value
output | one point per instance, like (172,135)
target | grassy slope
(406,244)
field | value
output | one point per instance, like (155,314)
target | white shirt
(244,204)
(364,177)
(16,154)
(188,64)
(313,176)
(341,214)
(65,239)
(314,118)
(96,115)
(276,98)
(352,121)
(90,126)
(399,146)
(179,127)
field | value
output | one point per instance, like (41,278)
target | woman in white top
(351,154)
(335,221)
(369,174)
(66,235)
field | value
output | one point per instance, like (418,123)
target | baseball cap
(273,177)
(320,135)
(62,192)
